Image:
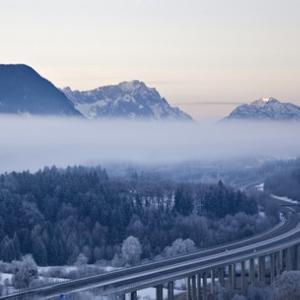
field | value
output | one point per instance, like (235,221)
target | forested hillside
(57,214)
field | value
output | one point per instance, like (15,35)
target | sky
(206,56)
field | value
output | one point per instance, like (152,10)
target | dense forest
(57,214)
(285,183)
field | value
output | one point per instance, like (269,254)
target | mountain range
(24,91)
(130,99)
(266,109)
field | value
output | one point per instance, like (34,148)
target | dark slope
(23,90)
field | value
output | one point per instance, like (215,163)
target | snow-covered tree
(260,293)
(131,250)
(81,260)
(25,272)
(180,247)
(287,286)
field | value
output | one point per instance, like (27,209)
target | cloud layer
(32,143)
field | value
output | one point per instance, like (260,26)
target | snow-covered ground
(262,214)
(5,276)
(68,269)
(150,293)
(286,199)
(52,280)
(260,187)
(5,280)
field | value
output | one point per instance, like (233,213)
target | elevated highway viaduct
(260,258)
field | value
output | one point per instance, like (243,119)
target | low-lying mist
(32,143)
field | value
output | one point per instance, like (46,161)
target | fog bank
(32,143)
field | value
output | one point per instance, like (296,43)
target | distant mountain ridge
(24,91)
(129,99)
(269,109)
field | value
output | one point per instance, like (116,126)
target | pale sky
(204,55)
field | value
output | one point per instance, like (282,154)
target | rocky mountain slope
(133,100)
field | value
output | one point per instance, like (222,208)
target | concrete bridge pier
(194,288)
(198,291)
(252,270)
(188,289)
(262,269)
(295,257)
(221,276)
(212,280)
(243,277)
(277,263)
(292,258)
(171,290)
(298,257)
(159,292)
(272,267)
(199,287)
(289,259)
(204,286)
(122,297)
(133,295)
(232,276)
(282,255)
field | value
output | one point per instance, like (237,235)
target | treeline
(285,183)
(57,214)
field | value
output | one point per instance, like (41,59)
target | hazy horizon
(34,142)
(200,55)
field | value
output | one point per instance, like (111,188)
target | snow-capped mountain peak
(267,108)
(266,99)
(131,86)
(128,99)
